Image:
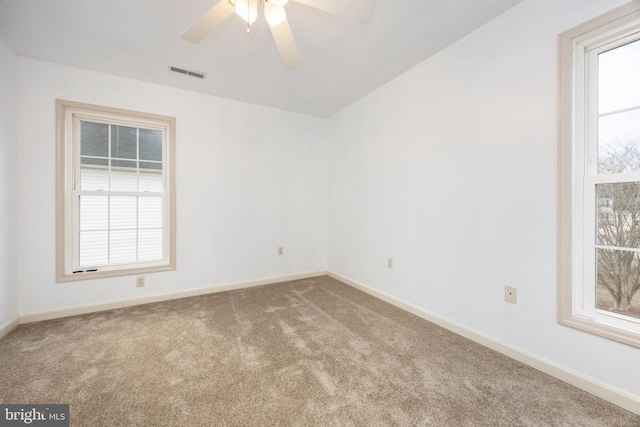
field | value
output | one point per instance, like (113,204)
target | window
(115,192)
(599,176)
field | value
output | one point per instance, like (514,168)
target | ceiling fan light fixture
(247,10)
(274,14)
(359,11)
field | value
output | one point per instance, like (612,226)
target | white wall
(249,179)
(451,170)
(8,184)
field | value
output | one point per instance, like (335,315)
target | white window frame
(68,115)
(577,177)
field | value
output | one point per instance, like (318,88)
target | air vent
(191,73)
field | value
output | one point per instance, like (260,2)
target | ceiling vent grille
(191,73)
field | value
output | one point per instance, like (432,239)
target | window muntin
(599,188)
(117,213)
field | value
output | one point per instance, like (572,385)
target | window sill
(113,273)
(598,328)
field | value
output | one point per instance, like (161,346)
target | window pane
(122,246)
(618,72)
(94,139)
(150,181)
(124,142)
(93,212)
(151,165)
(92,178)
(124,180)
(150,144)
(619,142)
(150,245)
(618,270)
(94,161)
(130,165)
(618,275)
(150,213)
(123,213)
(94,248)
(618,215)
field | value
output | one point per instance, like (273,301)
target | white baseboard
(92,308)
(617,397)
(9,326)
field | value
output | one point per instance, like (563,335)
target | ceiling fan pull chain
(248,14)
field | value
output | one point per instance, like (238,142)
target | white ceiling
(342,61)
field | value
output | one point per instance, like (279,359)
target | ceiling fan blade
(210,20)
(282,35)
(360,11)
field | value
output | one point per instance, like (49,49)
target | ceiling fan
(359,11)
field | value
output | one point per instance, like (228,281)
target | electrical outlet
(140,281)
(389,262)
(511,294)
(280,250)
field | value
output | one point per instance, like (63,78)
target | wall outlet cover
(511,294)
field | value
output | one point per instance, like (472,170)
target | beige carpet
(309,352)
